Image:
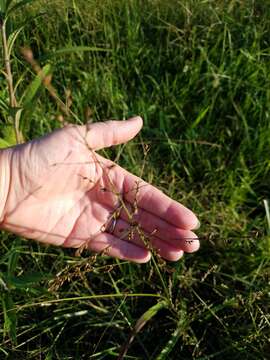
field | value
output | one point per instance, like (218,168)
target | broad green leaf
(32,88)
(10,316)
(21,282)
(73,49)
(8,135)
(30,97)
(14,115)
(13,262)
(3,6)
(27,114)
(4,143)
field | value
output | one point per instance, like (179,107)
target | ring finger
(135,234)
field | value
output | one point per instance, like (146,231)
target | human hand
(62,192)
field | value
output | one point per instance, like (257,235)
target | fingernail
(197,226)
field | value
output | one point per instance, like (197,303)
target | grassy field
(198,74)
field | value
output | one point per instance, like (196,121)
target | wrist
(4,181)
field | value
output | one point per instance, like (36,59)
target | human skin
(58,190)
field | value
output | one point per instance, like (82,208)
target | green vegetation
(198,73)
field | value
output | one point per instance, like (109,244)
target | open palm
(63,193)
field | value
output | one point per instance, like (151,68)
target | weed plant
(198,74)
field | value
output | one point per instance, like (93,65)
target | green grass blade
(267,211)
(170,344)
(12,38)
(141,322)
(73,49)
(200,117)
(18,6)
(8,135)
(181,327)
(23,281)
(32,89)
(168,62)
(4,143)
(4,5)
(3,105)
(10,317)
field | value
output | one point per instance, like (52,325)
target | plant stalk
(9,78)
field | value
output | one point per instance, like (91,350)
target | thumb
(106,134)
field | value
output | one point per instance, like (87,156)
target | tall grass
(198,73)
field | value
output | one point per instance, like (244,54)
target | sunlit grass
(198,73)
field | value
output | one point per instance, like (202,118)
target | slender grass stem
(9,78)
